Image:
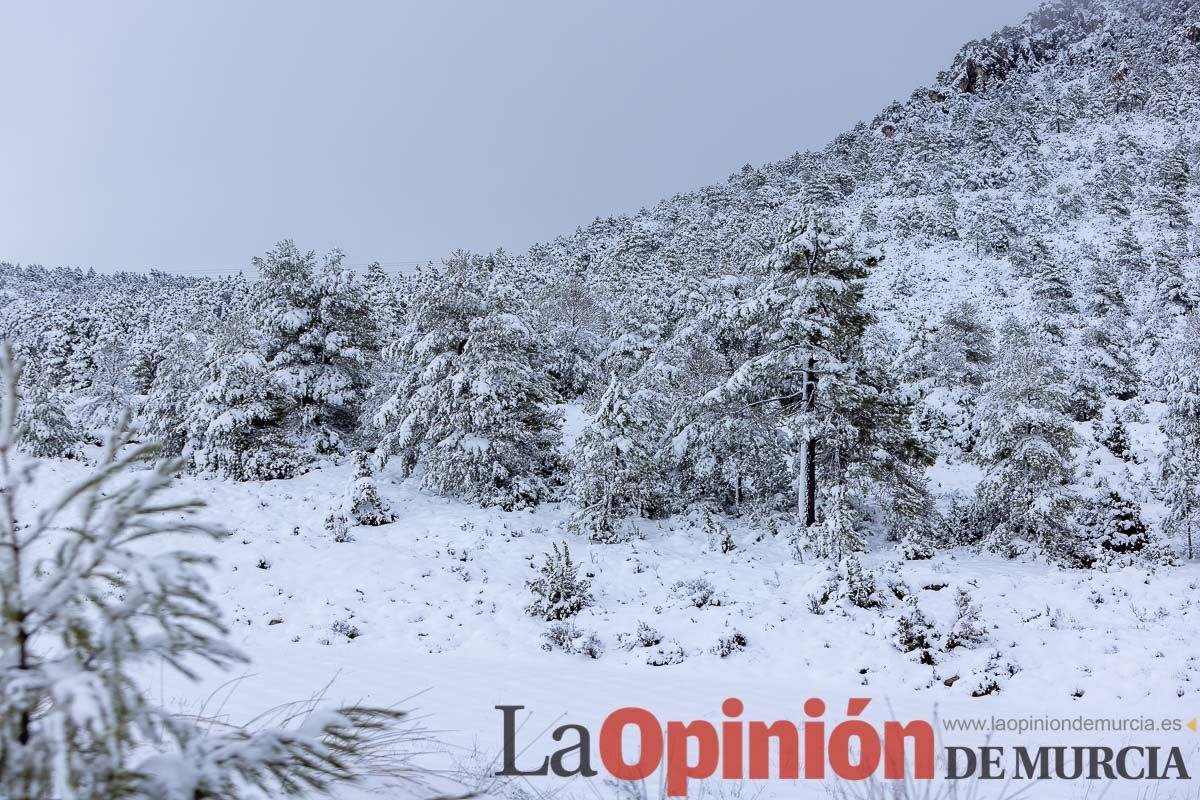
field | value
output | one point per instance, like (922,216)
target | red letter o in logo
(611,752)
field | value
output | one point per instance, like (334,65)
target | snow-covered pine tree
(86,610)
(559,591)
(571,321)
(1129,259)
(613,474)
(382,296)
(362,503)
(725,453)
(236,419)
(846,425)
(838,534)
(1114,524)
(1114,189)
(1179,374)
(962,348)
(1171,294)
(1104,292)
(1105,355)
(176,379)
(319,339)
(1174,176)
(109,394)
(1025,441)
(47,432)
(468,402)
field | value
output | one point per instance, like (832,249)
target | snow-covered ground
(435,605)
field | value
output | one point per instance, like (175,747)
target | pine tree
(1171,293)
(967,629)
(1115,190)
(468,401)
(613,474)
(1174,175)
(1112,433)
(360,503)
(860,585)
(962,348)
(1104,355)
(1025,442)
(319,340)
(1128,256)
(1105,295)
(571,321)
(1118,531)
(47,432)
(382,297)
(559,592)
(1051,284)
(838,533)
(1180,378)
(171,392)
(236,420)
(86,609)
(841,414)
(363,503)
(109,395)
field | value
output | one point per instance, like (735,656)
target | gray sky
(192,135)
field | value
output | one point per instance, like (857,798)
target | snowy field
(429,613)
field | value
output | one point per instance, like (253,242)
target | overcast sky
(190,136)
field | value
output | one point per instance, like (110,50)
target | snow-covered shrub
(560,635)
(698,592)
(729,643)
(338,526)
(559,591)
(563,635)
(860,585)
(848,584)
(967,630)
(360,503)
(995,674)
(344,627)
(914,632)
(644,636)
(590,645)
(665,653)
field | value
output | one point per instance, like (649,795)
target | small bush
(996,673)
(698,592)
(345,628)
(665,654)
(968,629)
(914,633)
(559,592)
(729,644)
(644,636)
(564,636)
(860,585)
